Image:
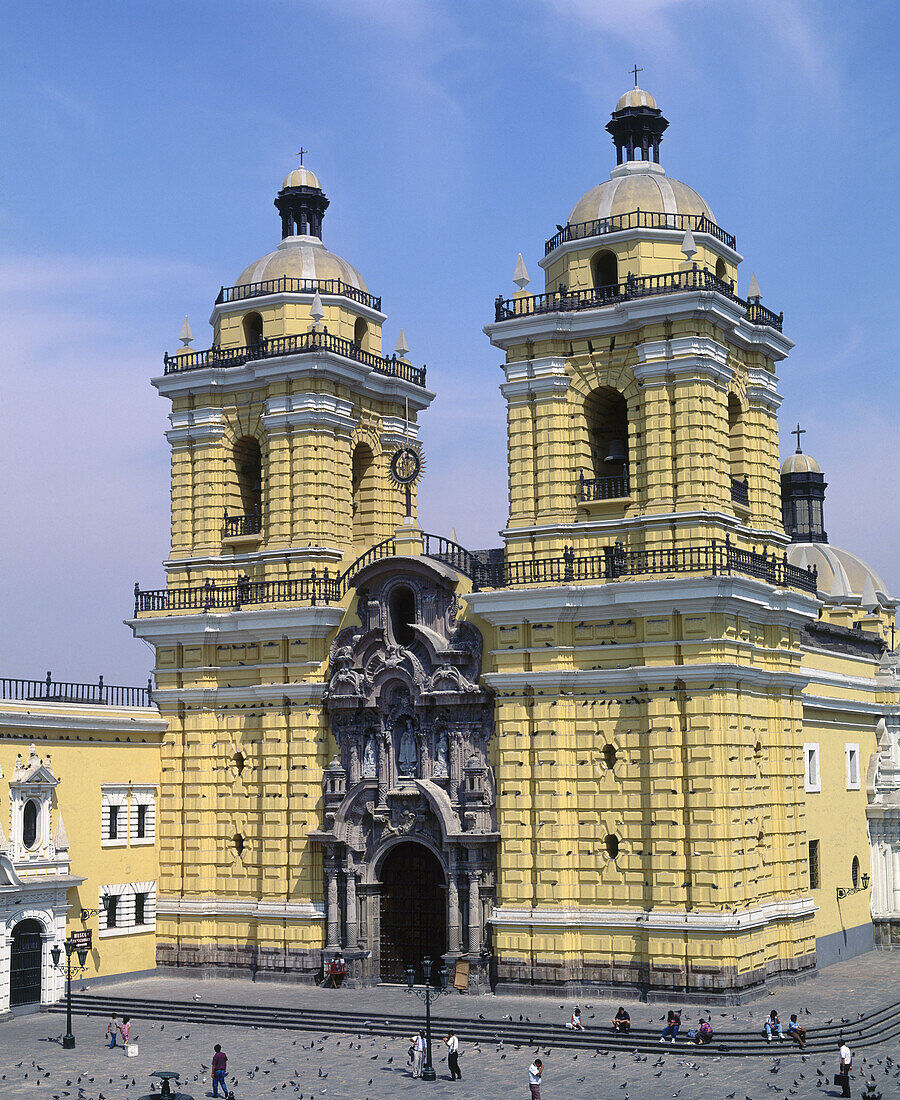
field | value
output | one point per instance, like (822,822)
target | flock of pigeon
(335,1067)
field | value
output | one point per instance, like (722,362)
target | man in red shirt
(219,1064)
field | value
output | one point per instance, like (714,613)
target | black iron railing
(487,569)
(740,491)
(65,691)
(638,219)
(613,562)
(302,343)
(602,488)
(643,286)
(289,285)
(250,524)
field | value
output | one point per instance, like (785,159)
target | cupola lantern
(803,496)
(301,202)
(637,126)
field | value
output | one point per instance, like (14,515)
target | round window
(29,823)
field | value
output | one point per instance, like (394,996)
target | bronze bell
(617,452)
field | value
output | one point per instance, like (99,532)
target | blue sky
(142,146)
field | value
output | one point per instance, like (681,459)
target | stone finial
(4,843)
(402,348)
(315,310)
(19,769)
(186,336)
(754,293)
(688,247)
(520,275)
(60,836)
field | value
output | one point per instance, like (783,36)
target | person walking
(419,1054)
(112,1031)
(842,1077)
(535,1073)
(453,1056)
(219,1066)
(125,1031)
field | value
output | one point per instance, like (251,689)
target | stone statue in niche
(409,756)
(440,755)
(369,767)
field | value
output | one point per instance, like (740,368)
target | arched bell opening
(253,329)
(606,424)
(363,489)
(413,912)
(361,334)
(26,963)
(403,614)
(248,468)
(721,269)
(604,270)
(739,486)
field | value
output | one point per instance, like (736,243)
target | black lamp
(82,956)
(865,881)
(410,976)
(55,953)
(426,968)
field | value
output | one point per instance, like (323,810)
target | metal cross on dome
(635,71)
(301,153)
(798,431)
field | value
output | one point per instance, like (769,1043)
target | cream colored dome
(301,258)
(800,463)
(637,97)
(841,575)
(301,177)
(638,185)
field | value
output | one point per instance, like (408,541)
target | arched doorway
(413,910)
(25,964)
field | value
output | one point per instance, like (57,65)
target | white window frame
(114,796)
(851,754)
(125,892)
(142,796)
(812,776)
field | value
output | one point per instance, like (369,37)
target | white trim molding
(205,906)
(812,768)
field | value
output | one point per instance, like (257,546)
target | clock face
(406,465)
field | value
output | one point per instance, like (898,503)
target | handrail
(68,691)
(287,284)
(635,286)
(638,219)
(487,569)
(299,344)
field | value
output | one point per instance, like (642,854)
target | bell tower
(641,388)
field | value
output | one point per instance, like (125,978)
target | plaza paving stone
(292,1064)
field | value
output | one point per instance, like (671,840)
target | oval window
(29,823)
(239,762)
(238,843)
(854,873)
(612,846)
(609,755)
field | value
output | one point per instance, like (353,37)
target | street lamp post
(56,953)
(427,994)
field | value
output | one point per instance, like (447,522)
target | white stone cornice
(661,920)
(637,598)
(233,561)
(396,430)
(623,236)
(65,717)
(541,377)
(236,626)
(646,521)
(659,353)
(700,676)
(624,316)
(205,425)
(762,389)
(288,368)
(350,305)
(215,906)
(212,698)
(311,412)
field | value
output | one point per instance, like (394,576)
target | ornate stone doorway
(25,963)
(413,909)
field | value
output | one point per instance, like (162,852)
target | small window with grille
(814,865)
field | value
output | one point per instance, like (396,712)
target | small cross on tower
(635,71)
(301,153)
(798,431)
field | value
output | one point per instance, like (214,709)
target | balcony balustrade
(235,526)
(643,286)
(66,691)
(304,343)
(638,219)
(740,491)
(289,285)
(602,488)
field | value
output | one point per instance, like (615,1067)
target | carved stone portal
(412,726)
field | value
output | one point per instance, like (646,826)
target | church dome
(301,258)
(637,97)
(638,185)
(301,177)
(800,463)
(841,575)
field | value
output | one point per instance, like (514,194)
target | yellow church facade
(635,746)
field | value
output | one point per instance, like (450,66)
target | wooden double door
(413,911)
